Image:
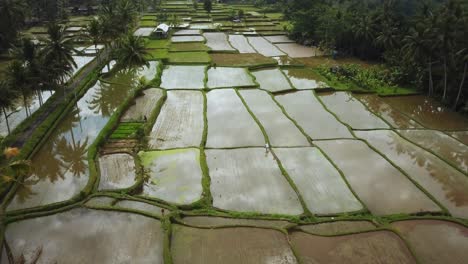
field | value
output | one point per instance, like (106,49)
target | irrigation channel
(241,160)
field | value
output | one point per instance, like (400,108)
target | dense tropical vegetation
(422,43)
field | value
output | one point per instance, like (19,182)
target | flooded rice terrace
(231,164)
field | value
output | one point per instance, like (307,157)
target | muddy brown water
(447,185)
(435,241)
(387,112)
(449,149)
(352,112)
(383,188)
(429,112)
(372,247)
(230,245)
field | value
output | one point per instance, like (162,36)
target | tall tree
(7,96)
(208,5)
(12,15)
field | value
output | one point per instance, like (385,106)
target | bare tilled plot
(279,39)
(229,122)
(187,32)
(449,149)
(249,180)
(429,112)
(180,123)
(264,47)
(338,227)
(303,79)
(446,184)
(177,39)
(462,136)
(240,43)
(218,41)
(435,241)
(351,111)
(281,131)
(383,188)
(272,80)
(144,105)
(309,114)
(295,50)
(225,77)
(321,186)
(387,112)
(230,246)
(175,175)
(373,247)
(87,236)
(183,77)
(207,221)
(117,171)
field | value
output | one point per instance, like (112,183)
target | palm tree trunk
(461,86)
(445,79)
(25,105)
(6,120)
(431,83)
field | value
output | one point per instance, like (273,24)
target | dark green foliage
(207,5)
(422,43)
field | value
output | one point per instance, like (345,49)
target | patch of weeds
(189,57)
(196,46)
(251,60)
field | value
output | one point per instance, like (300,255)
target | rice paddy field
(234,155)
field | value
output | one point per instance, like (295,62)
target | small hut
(162,30)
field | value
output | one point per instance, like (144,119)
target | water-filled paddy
(229,122)
(180,123)
(230,245)
(280,130)
(264,47)
(249,180)
(428,112)
(87,236)
(444,146)
(298,51)
(183,77)
(338,227)
(394,117)
(117,171)
(272,80)
(373,247)
(206,221)
(144,105)
(187,32)
(175,175)
(303,78)
(320,184)
(462,136)
(60,167)
(382,188)
(319,125)
(218,41)
(435,241)
(352,112)
(241,43)
(279,39)
(219,77)
(447,185)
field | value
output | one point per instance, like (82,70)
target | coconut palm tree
(7,96)
(463,55)
(131,52)
(17,77)
(94,32)
(58,53)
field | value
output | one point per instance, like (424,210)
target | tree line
(46,64)
(423,43)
